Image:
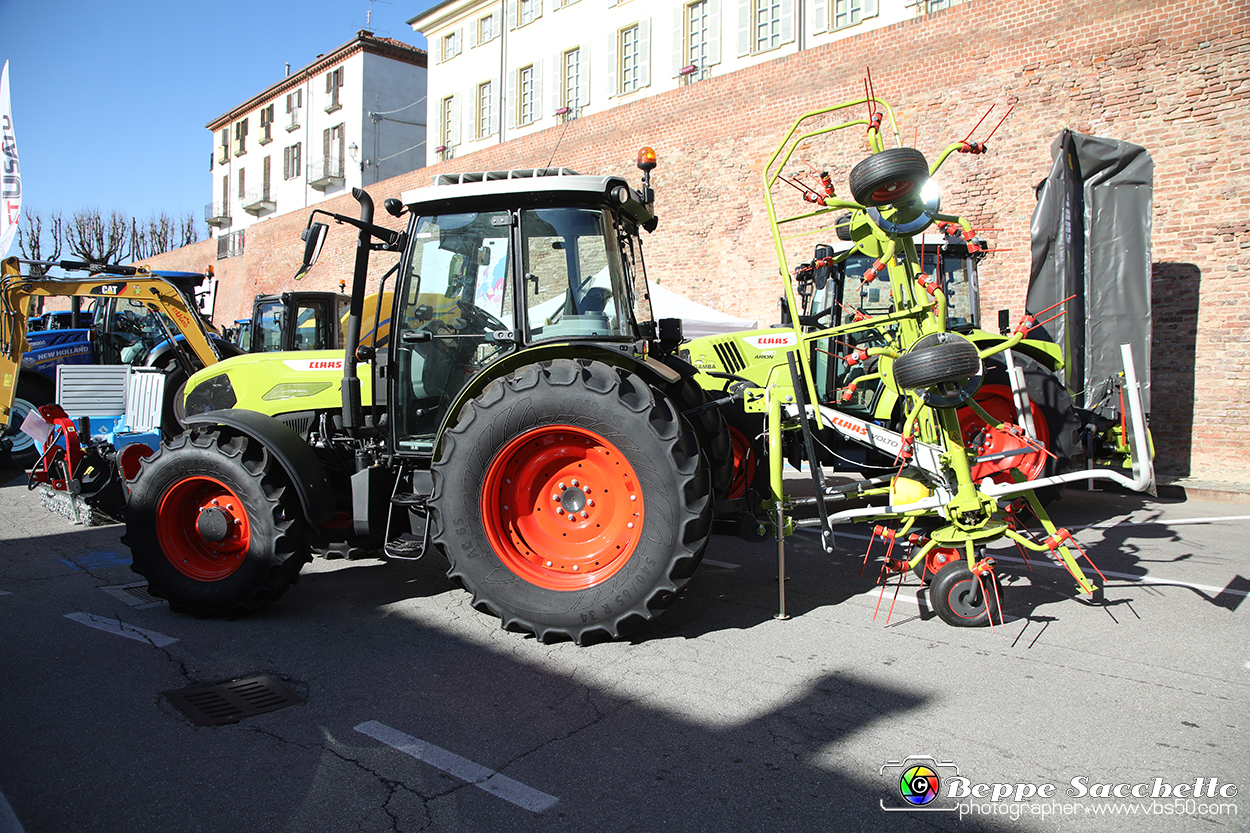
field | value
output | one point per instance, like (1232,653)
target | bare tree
(187,232)
(96,238)
(32,240)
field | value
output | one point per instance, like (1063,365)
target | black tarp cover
(1091,239)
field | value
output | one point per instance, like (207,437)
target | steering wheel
(478,319)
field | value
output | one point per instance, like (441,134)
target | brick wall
(1173,77)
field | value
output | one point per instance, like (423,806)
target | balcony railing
(230,245)
(326,172)
(217,214)
(258,199)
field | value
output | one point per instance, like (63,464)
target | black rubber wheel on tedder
(571,501)
(962,601)
(889,176)
(214,525)
(937,359)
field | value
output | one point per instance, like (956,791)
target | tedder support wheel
(570,501)
(937,359)
(213,524)
(889,176)
(962,601)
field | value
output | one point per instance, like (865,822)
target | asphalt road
(418,713)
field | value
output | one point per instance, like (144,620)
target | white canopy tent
(696,319)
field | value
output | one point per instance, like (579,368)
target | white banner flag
(10,173)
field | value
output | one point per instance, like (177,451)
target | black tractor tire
(570,501)
(935,360)
(956,596)
(889,176)
(710,429)
(18,450)
(214,524)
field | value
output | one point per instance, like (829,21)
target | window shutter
(538,9)
(511,13)
(492,125)
(538,90)
(644,53)
(286,163)
(713,32)
(787,20)
(459,41)
(820,16)
(679,39)
(744,27)
(557,82)
(583,74)
(870,9)
(455,120)
(512,103)
(611,83)
(473,30)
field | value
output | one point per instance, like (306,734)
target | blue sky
(110,99)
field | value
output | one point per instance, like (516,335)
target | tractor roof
(538,186)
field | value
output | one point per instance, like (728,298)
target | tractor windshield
(454,316)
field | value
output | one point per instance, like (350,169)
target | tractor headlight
(294,390)
(215,394)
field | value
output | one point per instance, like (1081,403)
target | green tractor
(527,418)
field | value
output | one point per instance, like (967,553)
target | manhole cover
(232,701)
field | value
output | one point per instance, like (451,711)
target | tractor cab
(502,261)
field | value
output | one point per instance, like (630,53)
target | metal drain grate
(232,701)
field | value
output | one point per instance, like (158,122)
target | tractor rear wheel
(570,501)
(710,428)
(213,524)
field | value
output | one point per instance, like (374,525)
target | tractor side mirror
(820,275)
(314,238)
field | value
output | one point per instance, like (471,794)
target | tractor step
(405,548)
(410,500)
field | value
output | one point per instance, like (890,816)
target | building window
(451,45)
(242,186)
(847,13)
(448,124)
(266,124)
(630,60)
(526,111)
(563,4)
(334,82)
(485,109)
(240,137)
(767,25)
(332,144)
(291,161)
(698,42)
(530,10)
(487,28)
(224,156)
(294,101)
(571,83)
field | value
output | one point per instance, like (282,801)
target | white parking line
(479,776)
(711,562)
(113,626)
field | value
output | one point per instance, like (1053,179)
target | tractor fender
(656,373)
(299,461)
(1046,353)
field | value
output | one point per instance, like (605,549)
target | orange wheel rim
(202,527)
(562,507)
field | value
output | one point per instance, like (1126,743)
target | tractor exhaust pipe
(353,420)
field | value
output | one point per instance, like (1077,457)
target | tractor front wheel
(213,524)
(570,501)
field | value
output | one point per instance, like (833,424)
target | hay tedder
(882,370)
